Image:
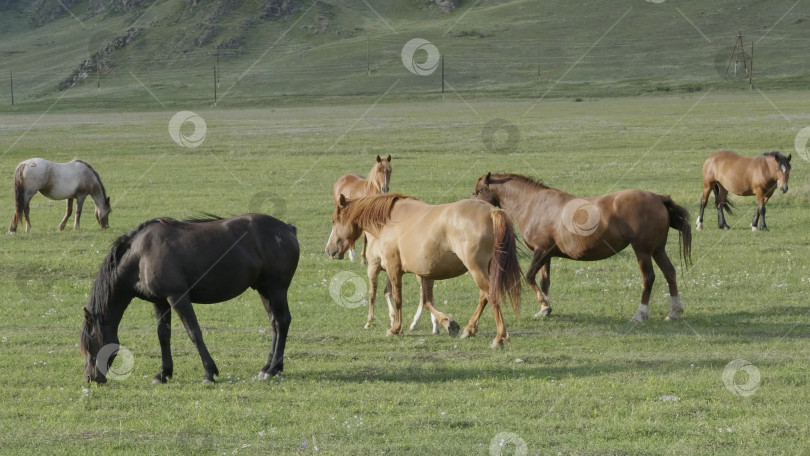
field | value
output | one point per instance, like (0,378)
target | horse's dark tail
(679,220)
(504,269)
(723,202)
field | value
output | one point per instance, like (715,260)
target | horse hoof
(453,328)
(753,228)
(639,318)
(764,228)
(367,325)
(699,226)
(544,312)
(208,380)
(497,344)
(158,380)
(390,333)
(412,328)
(435,331)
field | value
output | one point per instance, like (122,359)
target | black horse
(173,263)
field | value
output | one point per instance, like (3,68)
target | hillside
(153,53)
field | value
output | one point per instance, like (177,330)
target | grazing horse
(57,181)
(173,263)
(356,186)
(557,224)
(725,172)
(435,243)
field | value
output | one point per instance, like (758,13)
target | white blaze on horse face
(329,241)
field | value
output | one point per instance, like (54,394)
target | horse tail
(504,269)
(723,202)
(679,220)
(19,190)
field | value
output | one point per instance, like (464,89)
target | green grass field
(583,381)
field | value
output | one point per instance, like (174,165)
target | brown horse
(436,243)
(557,224)
(357,186)
(58,181)
(725,172)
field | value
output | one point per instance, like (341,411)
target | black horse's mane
(781,159)
(98,178)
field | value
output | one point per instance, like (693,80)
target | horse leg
(721,194)
(477,271)
(363,252)
(278,310)
(182,305)
(662,260)
(704,199)
(79,204)
(395,277)
(418,314)
(648,277)
(472,326)
(761,200)
(438,318)
(540,262)
(352,254)
(68,211)
(26,211)
(372,272)
(387,292)
(163,314)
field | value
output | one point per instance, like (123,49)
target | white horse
(58,181)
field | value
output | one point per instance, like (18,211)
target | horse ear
(87,314)
(107,200)
(389,158)
(342,200)
(789,155)
(379,159)
(489,176)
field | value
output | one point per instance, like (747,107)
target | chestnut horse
(173,263)
(436,243)
(357,186)
(725,172)
(557,224)
(58,181)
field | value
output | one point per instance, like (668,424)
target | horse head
(103,214)
(91,343)
(484,192)
(381,175)
(344,231)
(783,171)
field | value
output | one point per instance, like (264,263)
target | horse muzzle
(784,189)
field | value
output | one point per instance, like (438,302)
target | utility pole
(751,70)
(11,76)
(368,58)
(215,85)
(442,76)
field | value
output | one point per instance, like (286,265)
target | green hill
(150,53)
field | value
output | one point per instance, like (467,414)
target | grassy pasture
(584,381)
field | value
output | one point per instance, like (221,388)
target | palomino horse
(357,186)
(435,243)
(557,224)
(173,263)
(57,181)
(725,172)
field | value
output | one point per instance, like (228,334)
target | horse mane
(781,159)
(98,178)
(536,183)
(371,210)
